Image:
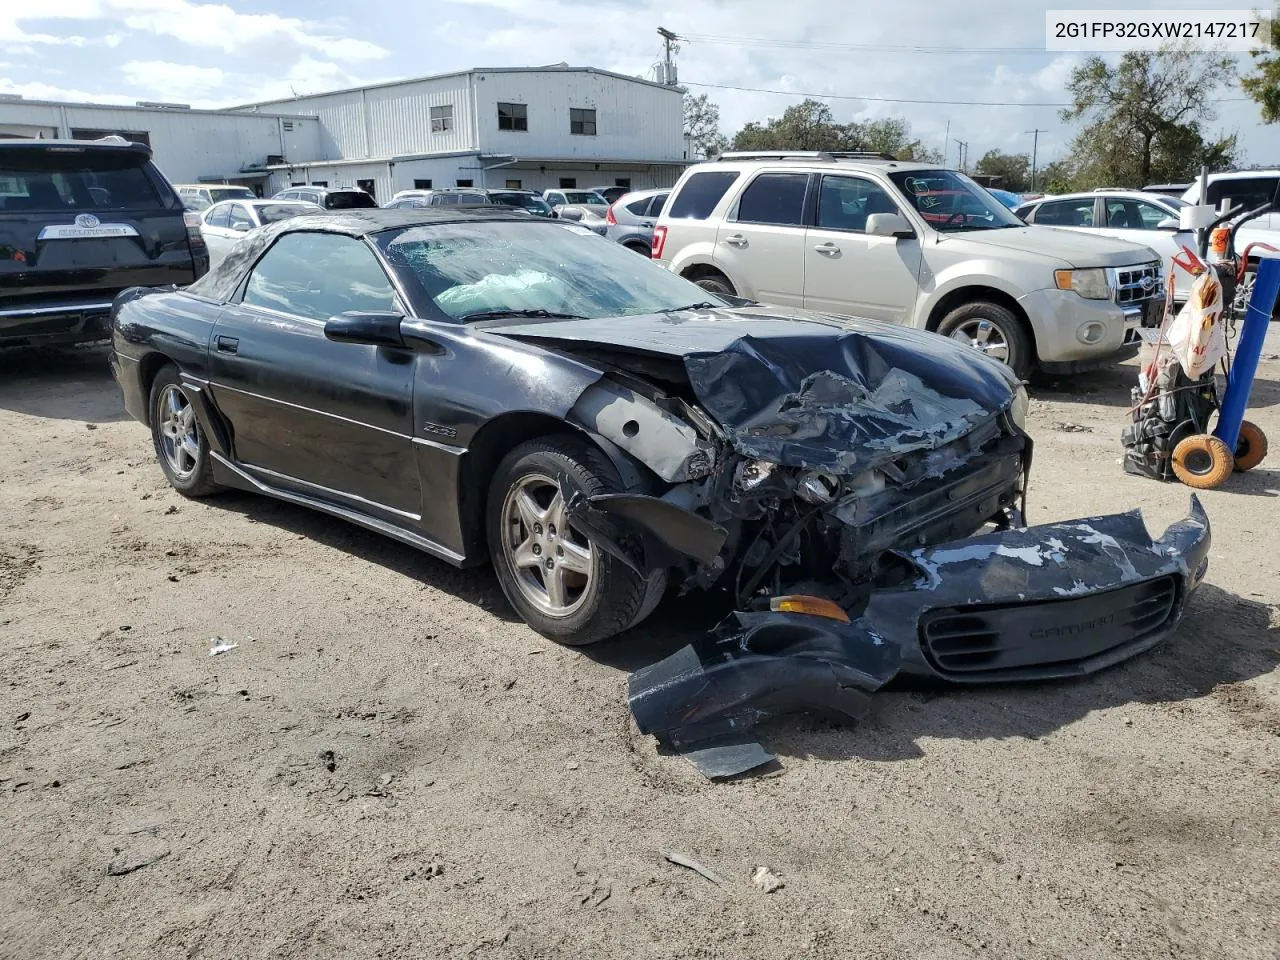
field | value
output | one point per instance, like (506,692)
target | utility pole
(668,67)
(963,150)
(1035,144)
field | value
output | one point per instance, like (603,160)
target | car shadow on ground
(475,585)
(67,383)
(1112,386)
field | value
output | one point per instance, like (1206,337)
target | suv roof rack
(805,155)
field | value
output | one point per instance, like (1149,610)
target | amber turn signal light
(813,606)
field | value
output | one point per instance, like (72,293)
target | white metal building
(533,128)
(188,145)
(517,127)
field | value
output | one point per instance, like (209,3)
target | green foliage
(810,125)
(1263,85)
(1013,169)
(702,124)
(1144,118)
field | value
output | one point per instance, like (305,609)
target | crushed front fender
(1048,602)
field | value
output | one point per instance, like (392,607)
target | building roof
(552,68)
(139,108)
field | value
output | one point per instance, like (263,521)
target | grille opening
(998,638)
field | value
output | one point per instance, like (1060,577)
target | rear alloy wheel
(993,330)
(561,584)
(180,444)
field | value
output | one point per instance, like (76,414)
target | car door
(849,271)
(760,245)
(217,232)
(332,420)
(1138,222)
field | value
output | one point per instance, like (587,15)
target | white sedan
(1146,218)
(224,224)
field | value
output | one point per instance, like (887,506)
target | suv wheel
(992,329)
(562,585)
(715,282)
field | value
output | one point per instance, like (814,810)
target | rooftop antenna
(668,65)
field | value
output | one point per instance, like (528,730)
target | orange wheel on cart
(1202,461)
(1251,447)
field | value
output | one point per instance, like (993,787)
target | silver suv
(866,235)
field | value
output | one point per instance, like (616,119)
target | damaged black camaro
(487,387)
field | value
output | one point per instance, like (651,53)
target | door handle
(827,248)
(227,344)
(646,223)
(737,240)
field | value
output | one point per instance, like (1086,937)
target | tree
(702,124)
(1012,169)
(1057,177)
(1263,85)
(1144,117)
(810,125)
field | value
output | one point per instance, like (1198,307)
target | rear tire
(640,248)
(180,443)
(994,330)
(563,586)
(1251,446)
(713,281)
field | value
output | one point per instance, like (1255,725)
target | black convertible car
(489,386)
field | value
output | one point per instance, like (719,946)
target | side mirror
(1168,223)
(374,329)
(571,214)
(241,227)
(889,225)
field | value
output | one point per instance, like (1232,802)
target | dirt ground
(389,765)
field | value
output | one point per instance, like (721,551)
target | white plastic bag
(1196,334)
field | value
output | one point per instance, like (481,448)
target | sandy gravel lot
(388,765)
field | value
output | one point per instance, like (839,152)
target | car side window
(657,203)
(844,203)
(1250,191)
(1133,215)
(776,198)
(700,194)
(319,275)
(1066,213)
(239,215)
(639,207)
(219,216)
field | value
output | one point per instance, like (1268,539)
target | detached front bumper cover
(1047,602)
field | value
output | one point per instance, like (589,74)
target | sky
(859,54)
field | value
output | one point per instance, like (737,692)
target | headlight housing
(1092,284)
(1019,406)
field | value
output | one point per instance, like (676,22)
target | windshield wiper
(704,305)
(533,314)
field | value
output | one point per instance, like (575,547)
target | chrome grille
(1136,284)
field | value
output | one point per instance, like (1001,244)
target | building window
(513,184)
(422,184)
(622,182)
(568,183)
(442,119)
(319,183)
(465,183)
(513,116)
(582,121)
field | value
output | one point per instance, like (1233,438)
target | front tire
(994,330)
(562,585)
(180,444)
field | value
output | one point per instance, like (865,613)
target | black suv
(81,220)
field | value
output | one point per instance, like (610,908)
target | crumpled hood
(1072,247)
(804,389)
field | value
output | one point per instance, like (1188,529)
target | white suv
(911,243)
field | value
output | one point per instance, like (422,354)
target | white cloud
(173,81)
(212,25)
(33,90)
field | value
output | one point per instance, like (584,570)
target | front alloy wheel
(983,335)
(561,584)
(554,566)
(180,444)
